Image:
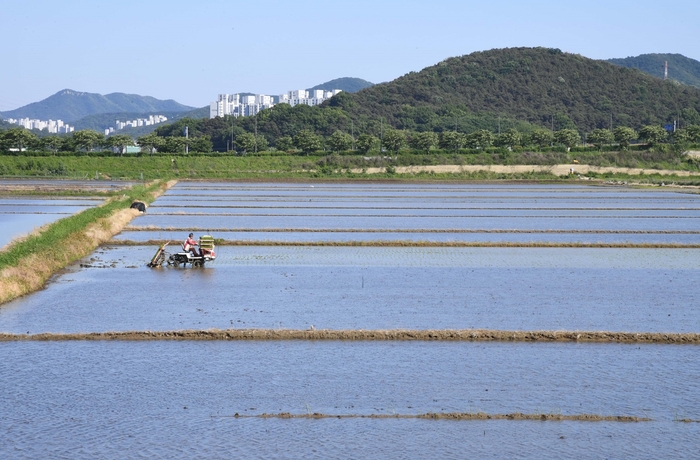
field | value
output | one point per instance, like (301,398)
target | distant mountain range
(680,68)
(69,106)
(96,111)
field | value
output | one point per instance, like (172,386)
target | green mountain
(69,106)
(539,85)
(348,84)
(521,88)
(680,68)
(202,112)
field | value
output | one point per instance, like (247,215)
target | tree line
(20,139)
(389,139)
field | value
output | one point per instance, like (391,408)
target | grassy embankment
(276,165)
(26,264)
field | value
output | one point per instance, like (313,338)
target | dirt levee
(455,416)
(473,335)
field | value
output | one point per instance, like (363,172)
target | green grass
(332,166)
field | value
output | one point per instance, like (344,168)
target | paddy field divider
(451,416)
(425,335)
(425,244)
(27,263)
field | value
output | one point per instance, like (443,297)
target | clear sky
(191,51)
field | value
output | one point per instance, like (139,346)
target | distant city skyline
(173,50)
(135,123)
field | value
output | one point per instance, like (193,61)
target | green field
(278,165)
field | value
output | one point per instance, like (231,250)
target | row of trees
(87,140)
(391,140)
(394,140)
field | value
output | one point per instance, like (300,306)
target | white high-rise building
(52,126)
(246,105)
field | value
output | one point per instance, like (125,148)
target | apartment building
(52,126)
(238,105)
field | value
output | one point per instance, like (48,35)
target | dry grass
(455,416)
(465,335)
(33,270)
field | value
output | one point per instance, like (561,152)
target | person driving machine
(189,245)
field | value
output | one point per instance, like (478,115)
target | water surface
(650,290)
(19,216)
(124,399)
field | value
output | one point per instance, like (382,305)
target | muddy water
(639,290)
(127,399)
(112,400)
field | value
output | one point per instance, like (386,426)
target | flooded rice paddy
(432,213)
(20,215)
(373,288)
(178,399)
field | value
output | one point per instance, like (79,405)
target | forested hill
(537,85)
(680,68)
(348,84)
(69,105)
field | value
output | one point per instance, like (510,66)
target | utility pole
(551,144)
(352,133)
(381,134)
(256,132)
(499,125)
(611,122)
(187,141)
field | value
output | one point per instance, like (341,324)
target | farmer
(189,245)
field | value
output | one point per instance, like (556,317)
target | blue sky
(192,51)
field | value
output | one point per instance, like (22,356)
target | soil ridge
(465,335)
